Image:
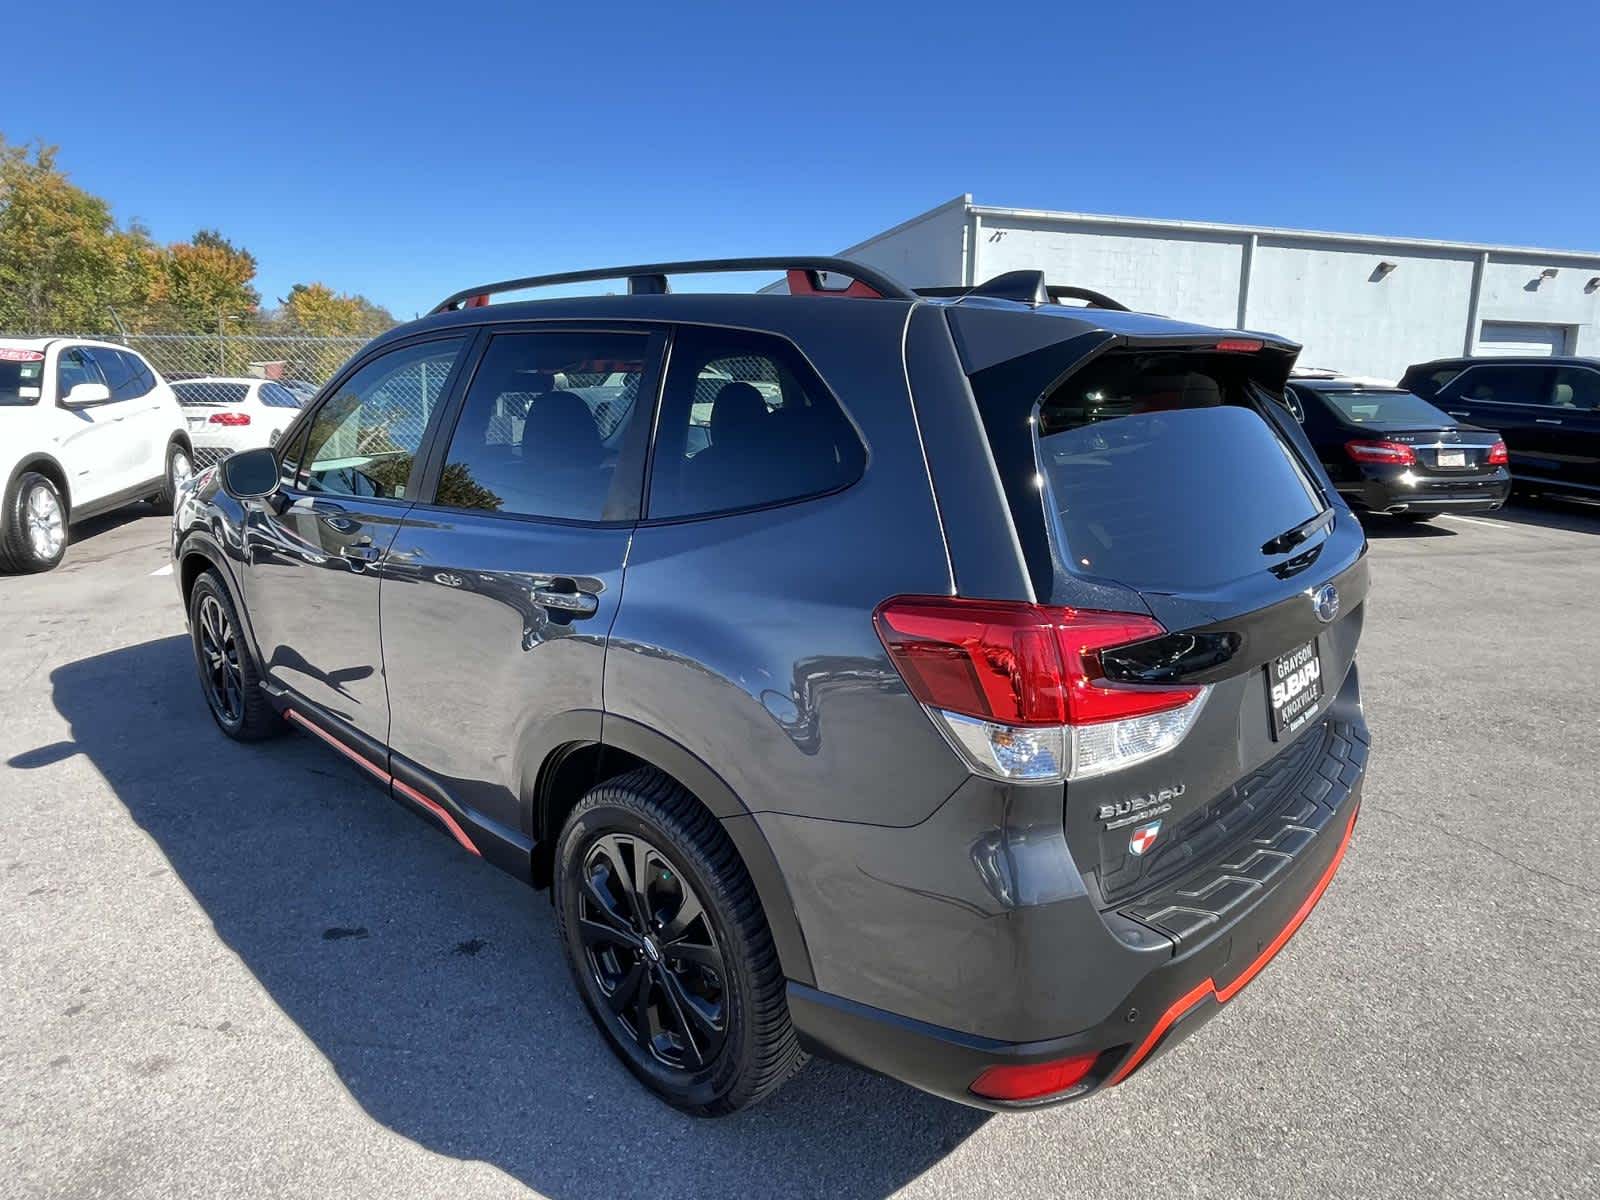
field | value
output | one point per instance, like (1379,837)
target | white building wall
(1195,277)
(1322,289)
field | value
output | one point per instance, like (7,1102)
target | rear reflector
(1497,455)
(230,418)
(1239,345)
(1392,453)
(1019,688)
(1033,1082)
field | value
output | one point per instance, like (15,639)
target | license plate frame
(1452,458)
(1294,689)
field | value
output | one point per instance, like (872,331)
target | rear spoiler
(1025,287)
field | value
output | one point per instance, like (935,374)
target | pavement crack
(1494,850)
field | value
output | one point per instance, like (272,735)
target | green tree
(202,283)
(316,309)
(64,264)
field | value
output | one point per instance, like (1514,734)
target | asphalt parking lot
(239,971)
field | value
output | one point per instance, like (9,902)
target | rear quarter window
(1160,471)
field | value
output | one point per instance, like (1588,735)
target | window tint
(1371,407)
(541,431)
(204,391)
(365,437)
(746,422)
(21,377)
(141,379)
(1577,388)
(116,370)
(275,395)
(1161,474)
(1503,385)
(74,366)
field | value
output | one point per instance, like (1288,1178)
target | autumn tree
(203,282)
(316,309)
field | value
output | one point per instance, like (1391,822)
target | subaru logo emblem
(1325,602)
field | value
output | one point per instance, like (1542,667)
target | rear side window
(1577,387)
(1160,473)
(275,395)
(142,378)
(746,422)
(541,432)
(21,377)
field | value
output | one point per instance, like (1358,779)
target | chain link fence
(289,359)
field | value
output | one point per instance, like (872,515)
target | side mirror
(83,394)
(250,474)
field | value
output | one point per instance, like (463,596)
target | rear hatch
(1161,475)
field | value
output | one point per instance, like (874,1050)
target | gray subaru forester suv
(958,683)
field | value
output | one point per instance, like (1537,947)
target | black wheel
(669,947)
(179,468)
(1411,518)
(228,678)
(33,528)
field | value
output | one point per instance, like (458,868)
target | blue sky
(405,150)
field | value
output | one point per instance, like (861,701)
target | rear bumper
(1388,490)
(1164,1007)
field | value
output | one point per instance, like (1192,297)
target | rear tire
(180,466)
(33,527)
(228,677)
(651,898)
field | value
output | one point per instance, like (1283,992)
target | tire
(741,1044)
(33,528)
(228,677)
(180,466)
(1411,518)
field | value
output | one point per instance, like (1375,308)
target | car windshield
(21,377)
(1385,408)
(204,392)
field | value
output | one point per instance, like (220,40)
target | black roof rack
(1028,287)
(651,278)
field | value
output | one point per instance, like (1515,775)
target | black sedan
(1388,451)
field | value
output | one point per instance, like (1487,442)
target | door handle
(360,550)
(341,523)
(1454,413)
(1545,421)
(578,604)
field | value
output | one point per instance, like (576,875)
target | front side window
(542,429)
(117,371)
(1503,385)
(746,422)
(74,366)
(364,439)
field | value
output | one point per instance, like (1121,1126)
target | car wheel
(228,677)
(33,528)
(669,947)
(179,468)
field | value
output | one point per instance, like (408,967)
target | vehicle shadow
(1392,528)
(433,984)
(1543,512)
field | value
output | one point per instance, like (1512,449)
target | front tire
(33,528)
(669,947)
(180,466)
(228,677)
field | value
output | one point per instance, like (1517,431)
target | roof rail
(650,278)
(1028,287)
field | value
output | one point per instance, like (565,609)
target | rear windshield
(191,394)
(21,377)
(1160,473)
(1385,408)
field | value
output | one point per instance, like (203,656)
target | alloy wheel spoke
(600,900)
(605,933)
(628,987)
(675,1005)
(697,955)
(692,1006)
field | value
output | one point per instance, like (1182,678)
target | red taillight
(230,418)
(1018,664)
(1239,345)
(1498,456)
(1392,453)
(1035,1081)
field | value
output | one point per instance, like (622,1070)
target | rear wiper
(1290,538)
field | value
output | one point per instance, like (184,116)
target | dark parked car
(1547,409)
(1388,451)
(965,689)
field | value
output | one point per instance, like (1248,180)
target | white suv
(84,427)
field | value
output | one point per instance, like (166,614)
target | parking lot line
(166,570)
(1476,521)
